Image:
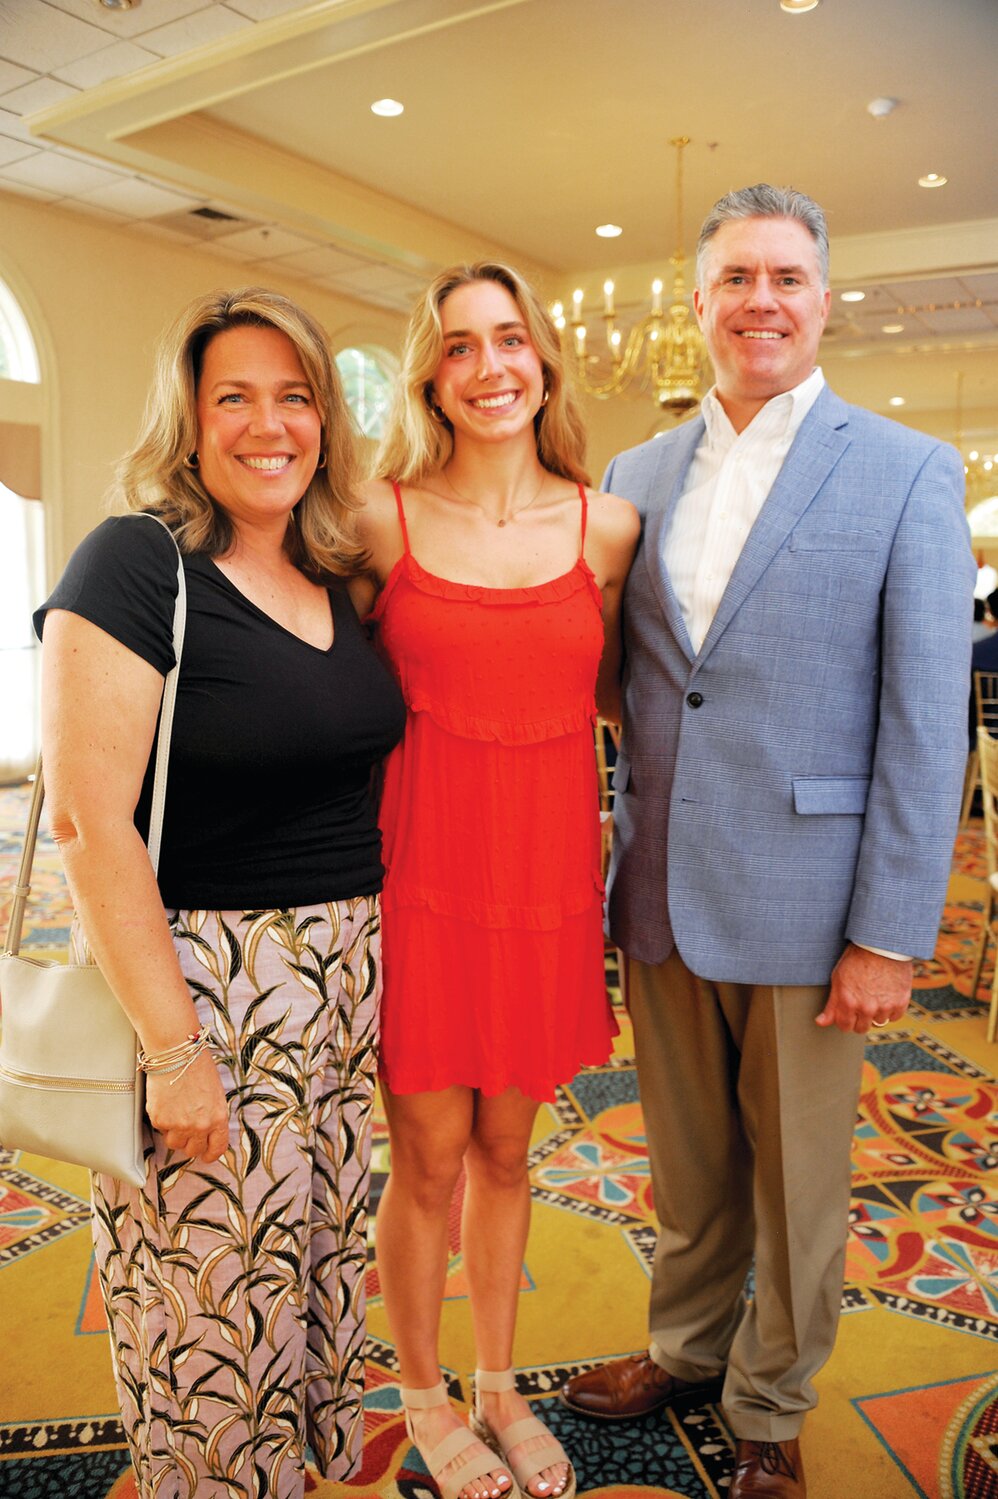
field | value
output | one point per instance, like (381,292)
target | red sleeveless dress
(492,943)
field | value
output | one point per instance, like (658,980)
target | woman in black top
(234,1280)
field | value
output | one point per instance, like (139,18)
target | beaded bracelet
(177,1058)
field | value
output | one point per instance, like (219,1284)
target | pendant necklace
(513,514)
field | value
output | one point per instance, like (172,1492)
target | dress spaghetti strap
(585,514)
(401,510)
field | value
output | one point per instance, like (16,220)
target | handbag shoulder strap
(23,887)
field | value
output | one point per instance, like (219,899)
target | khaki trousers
(749,1110)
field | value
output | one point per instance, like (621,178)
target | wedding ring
(879,1024)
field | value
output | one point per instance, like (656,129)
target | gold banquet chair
(987,749)
(601,729)
(986,705)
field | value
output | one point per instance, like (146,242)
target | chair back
(986,699)
(601,729)
(987,748)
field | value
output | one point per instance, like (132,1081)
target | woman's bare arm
(100,705)
(611,541)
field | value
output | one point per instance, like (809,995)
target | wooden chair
(986,706)
(987,750)
(602,730)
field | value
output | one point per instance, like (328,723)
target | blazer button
(695,699)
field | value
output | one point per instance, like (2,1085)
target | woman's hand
(193,1114)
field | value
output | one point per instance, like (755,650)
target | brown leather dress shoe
(768,1470)
(629,1387)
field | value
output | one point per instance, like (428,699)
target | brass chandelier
(665,352)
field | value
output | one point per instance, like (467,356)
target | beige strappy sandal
(525,1468)
(476,1465)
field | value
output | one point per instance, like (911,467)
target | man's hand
(867,989)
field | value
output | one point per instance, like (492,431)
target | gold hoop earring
(191,461)
(437,412)
(322,462)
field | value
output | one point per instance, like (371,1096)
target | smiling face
(762,310)
(259,431)
(490,380)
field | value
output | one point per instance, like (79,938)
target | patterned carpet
(909,1402)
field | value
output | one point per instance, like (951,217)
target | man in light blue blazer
(786,799)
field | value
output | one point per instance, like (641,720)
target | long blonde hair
(157,474)
(416,442)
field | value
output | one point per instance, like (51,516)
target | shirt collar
(780,418)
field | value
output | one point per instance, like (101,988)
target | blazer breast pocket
(816,795)
(835,541)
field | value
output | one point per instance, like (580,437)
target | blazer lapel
(664,488)
(815,451)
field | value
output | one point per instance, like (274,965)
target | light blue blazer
(795,784)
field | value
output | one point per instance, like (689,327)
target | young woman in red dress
(498,577)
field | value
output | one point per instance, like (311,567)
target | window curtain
(22,589)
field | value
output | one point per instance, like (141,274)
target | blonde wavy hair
(416,442)
(154,475)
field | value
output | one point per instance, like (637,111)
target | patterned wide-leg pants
(235,1291)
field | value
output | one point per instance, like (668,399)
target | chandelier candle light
(665,351)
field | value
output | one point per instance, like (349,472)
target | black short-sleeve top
(268,800)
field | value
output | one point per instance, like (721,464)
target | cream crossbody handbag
(70,1088)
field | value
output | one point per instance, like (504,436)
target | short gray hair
(765,202)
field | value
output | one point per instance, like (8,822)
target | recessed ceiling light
(609,231)
(932,179)
(896,401)
(119,4)
(892,327)
(798,7)
(387,107)
(882,107)
(852,296)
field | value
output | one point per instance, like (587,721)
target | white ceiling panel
(137,199)
(266,242)
(40,93)
(11,150)
(195,30)
(93,212)
(322,260)
(12,124)
(12,76)
(24,190)
(41,36)
(109,62)
(263,10)
(146,16)
(60,174)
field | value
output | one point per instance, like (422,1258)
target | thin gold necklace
(512,515)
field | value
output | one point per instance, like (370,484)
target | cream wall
(97,298)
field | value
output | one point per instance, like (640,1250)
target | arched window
(368,375)
(22,547)
(18,360)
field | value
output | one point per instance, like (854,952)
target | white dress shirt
(727,485)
